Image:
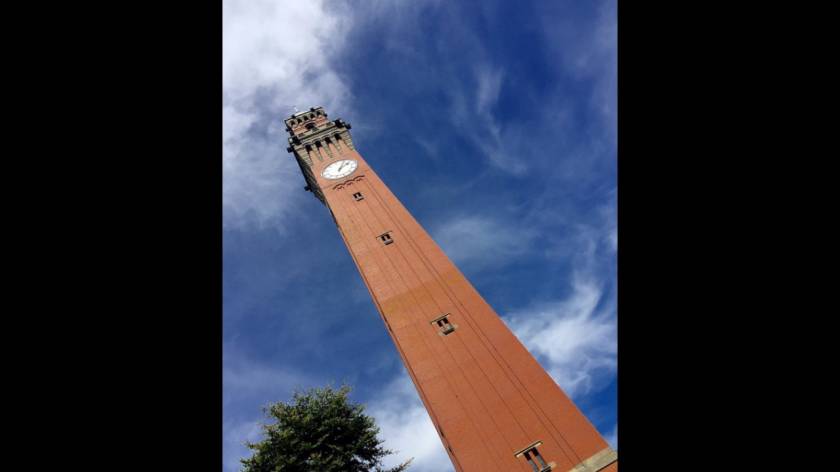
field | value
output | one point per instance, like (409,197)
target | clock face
(339,169)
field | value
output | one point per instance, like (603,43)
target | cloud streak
(236,434)
(574,338)
(588,50)
(481,241)
(407,429)
(612,437)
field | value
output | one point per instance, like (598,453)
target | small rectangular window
(386,238)
(534,458)
(444,325)
(358,196)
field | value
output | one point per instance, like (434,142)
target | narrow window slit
(386,238)
(358,196)
(444,325)
(534,458)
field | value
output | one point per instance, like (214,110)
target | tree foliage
(319,430)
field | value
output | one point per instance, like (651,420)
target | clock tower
(494,407)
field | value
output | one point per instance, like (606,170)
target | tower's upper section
(314,140)
(303,122)
(306,124)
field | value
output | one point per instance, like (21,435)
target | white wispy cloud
(471,112)
(489,86)
(586,52)
(612,438)
(589,51)
(407,429)
(600,63)
(609,215)
(575,338)
(276,54)
(236,434)
(481,241)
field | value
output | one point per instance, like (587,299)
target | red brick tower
(494,407)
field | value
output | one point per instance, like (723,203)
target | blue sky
(493,122)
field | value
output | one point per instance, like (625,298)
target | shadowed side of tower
(494,407)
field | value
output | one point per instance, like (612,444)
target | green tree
(319,430)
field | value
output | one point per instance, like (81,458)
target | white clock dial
(339,169)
